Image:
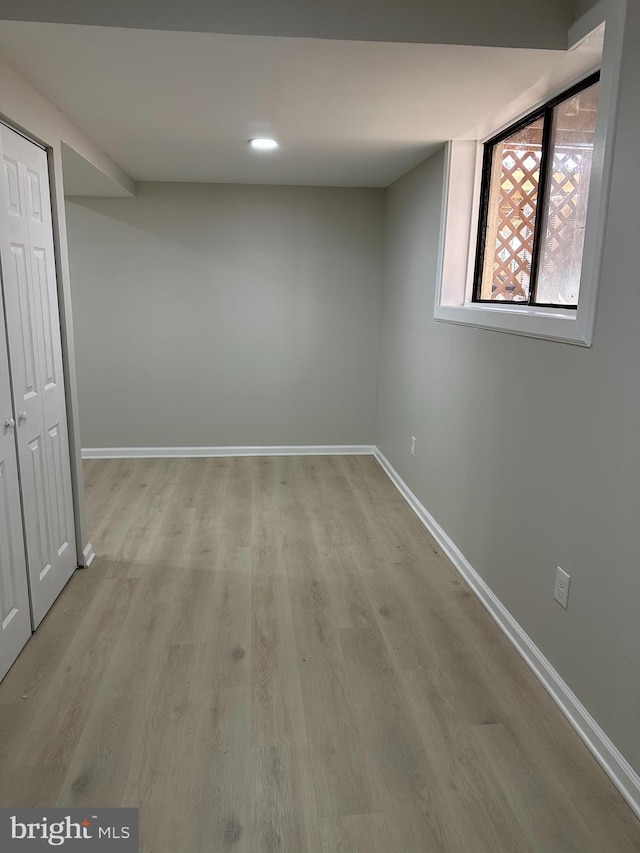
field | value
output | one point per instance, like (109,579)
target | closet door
(33,331)
(15,620)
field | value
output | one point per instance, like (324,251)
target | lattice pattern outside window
(517,216)
(545,158)
(512,219)
(566,219)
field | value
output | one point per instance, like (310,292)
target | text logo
(106,830)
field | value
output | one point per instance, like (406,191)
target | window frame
(461,205)
(544,112)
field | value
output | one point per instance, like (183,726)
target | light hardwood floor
(271,654)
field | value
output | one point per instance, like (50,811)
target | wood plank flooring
(271,654)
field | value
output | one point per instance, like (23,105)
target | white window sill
(555,324)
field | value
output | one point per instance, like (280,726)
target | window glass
(535,191)
(511,215)
(571,154)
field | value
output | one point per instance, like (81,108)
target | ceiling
(177,106)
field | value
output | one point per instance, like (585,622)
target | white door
(15,620)
(35,353)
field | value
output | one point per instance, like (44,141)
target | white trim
(460,203)
(178,452)
(604,751)
(612,14)
(553,325)
(88,555)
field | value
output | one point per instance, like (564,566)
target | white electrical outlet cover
(561,592)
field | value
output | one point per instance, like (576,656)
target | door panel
(26,378)
(31,299)
(33,478)
(15,619)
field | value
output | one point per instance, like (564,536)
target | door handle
(22,417)
(9,423)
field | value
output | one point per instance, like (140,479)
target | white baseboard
(608,756)
(89,555)
(176,452)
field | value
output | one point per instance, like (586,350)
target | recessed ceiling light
(263,143)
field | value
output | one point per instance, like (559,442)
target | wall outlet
(413,445)
(561,593)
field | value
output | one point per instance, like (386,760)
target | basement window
(534,193)
(524,210)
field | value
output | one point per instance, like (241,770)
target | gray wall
(505,23)
(211,315)
(582,6)
(528,451)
